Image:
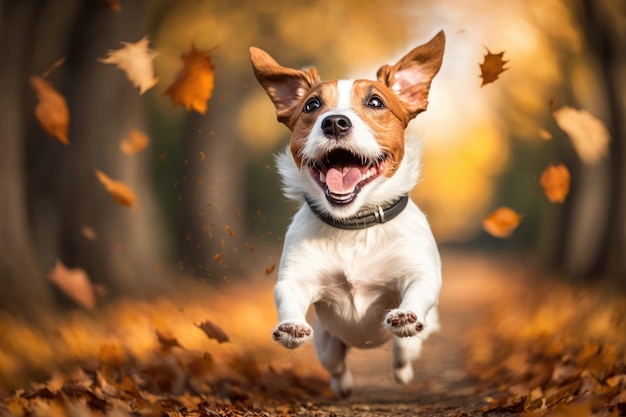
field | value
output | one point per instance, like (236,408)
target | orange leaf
(588,134)
(51,111)
(88,233)
(135,59)
(213,331)
(134,143)
(119,191)
(492,67)
(544,134)
(194,82)
(502,222)
(555,182)
(114,5)
(75,283)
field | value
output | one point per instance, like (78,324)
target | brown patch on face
(387,122)
(302,122)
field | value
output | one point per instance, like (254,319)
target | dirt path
(441,386)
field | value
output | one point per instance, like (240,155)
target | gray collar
(364,218)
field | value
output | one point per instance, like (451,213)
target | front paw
(403,323)
(292,334)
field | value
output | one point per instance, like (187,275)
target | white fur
(357,280)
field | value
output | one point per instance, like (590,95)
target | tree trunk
(595,241)
(211,224)
(53,188)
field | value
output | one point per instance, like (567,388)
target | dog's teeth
(322,177)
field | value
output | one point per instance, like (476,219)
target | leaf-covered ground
(509,345)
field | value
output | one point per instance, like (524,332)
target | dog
(358,249)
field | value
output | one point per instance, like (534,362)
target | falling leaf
(492,67)
(134,142)
(544,134)
(229,230)
(194,82)
(202,156)
(51,111)
(75,283)
(588,134)
(270,269)
(166,342)
(88,233)
(115,5)
(135,59)
(502,222)
(119,191)
(213,331)
(555,181)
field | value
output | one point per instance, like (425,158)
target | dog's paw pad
(403,323)
(292,334)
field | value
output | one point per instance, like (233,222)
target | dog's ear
(410,78)
(285,86)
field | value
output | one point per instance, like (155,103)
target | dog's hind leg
(332,354)
(405,351)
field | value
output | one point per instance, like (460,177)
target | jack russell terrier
(358,249)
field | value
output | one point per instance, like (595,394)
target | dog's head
(348,135)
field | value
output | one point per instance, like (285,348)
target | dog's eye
(376,102)
(312,104)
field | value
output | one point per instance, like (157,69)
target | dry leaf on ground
(555,348)
(502,222)
(492,67)
(119,191)
(134,142)
(588,134)
(51,111)
(194,82)
(213,331)
(75,283)
(555,181)
(135,59)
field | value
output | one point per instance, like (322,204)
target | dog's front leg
(418,297)
(292,302)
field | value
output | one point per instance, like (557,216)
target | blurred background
(208,197)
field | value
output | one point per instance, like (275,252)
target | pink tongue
(340,182)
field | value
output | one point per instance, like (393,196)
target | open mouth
(342,174)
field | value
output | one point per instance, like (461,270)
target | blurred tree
(50,190)
(592,238)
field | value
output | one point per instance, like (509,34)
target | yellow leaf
(555,181)
(51,111)
(75,283)
(194,82)
(502,222)
(588,134)
(119,191)
(492,67)
(134,142)
(135,59)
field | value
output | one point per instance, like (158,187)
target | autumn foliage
(553,349)
(206,352)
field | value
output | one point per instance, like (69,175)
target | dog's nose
(336,126)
